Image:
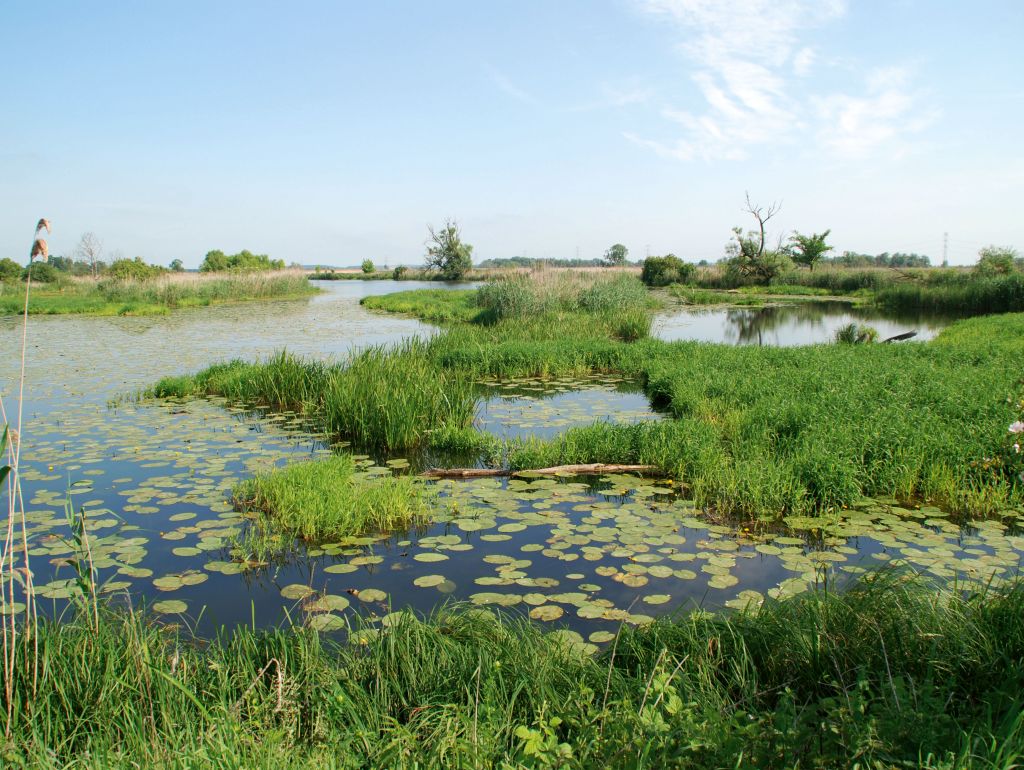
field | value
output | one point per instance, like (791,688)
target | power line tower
(945,249)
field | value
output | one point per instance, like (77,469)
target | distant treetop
(217,261)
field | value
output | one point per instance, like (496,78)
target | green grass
(432,305)
(380,399)
(151,297)
(888,673)
(755,432)
(327,498)
(689,295)
(971,295)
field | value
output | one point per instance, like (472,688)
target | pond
(801,323)
(154,479)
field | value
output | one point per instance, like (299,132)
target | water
(524,408)
(802,323)
(155,478)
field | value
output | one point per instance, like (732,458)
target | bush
(856,334)
(217,260)
(662,271)
(400,272)
(10,271)
(367,266)
(996,260)
(42,272)
(133,269)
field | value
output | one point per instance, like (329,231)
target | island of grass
(328,498)
(156,295)
(755,432)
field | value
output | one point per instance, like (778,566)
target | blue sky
(327,132)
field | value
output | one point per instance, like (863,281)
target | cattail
(43,224)
(40,250)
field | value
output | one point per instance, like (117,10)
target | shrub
(367,266)
(10,271)
(399,273)
(662,271)
(42,272)
(855,334)
(133,269)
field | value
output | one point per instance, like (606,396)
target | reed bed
(889,673)
(973,295)
(158,295)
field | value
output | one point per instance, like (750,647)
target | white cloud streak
(749,56)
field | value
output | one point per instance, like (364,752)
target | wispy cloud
(618,95)
(751,61)
(886,114)
(508,87)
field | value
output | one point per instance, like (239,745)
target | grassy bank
(888,673)
(328,498)
(758,432)
(153,296)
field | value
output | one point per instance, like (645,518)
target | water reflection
(802,323)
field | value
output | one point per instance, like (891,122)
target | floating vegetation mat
(544,408)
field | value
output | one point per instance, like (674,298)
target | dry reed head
(40,250)
(44,224)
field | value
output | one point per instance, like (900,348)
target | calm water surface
(802,323)
(155,477)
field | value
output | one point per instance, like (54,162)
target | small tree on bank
(808,250)
(997,260)
(748,257)
(447,253)
(616,255)
(367,266)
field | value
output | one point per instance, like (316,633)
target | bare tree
(748,255)
(762,218)
(90,248)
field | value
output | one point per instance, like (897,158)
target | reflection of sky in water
(803,323)
(523,408)
(155,480)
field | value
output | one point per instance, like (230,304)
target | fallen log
(578,470)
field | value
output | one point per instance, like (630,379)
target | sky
(331,132)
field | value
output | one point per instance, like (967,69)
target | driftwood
(473,473)
(901,337)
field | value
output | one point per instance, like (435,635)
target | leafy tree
(400,272)
(367,266)
(133,269)
(214,262)
(662,271)
(177,266)
(808,249)
(996,260)
(217,261)
(616,255)
(10,271)
(747,257)
(447,253)
(42,272)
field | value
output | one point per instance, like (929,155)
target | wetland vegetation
(756,432)
(150,295)
(785,477)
